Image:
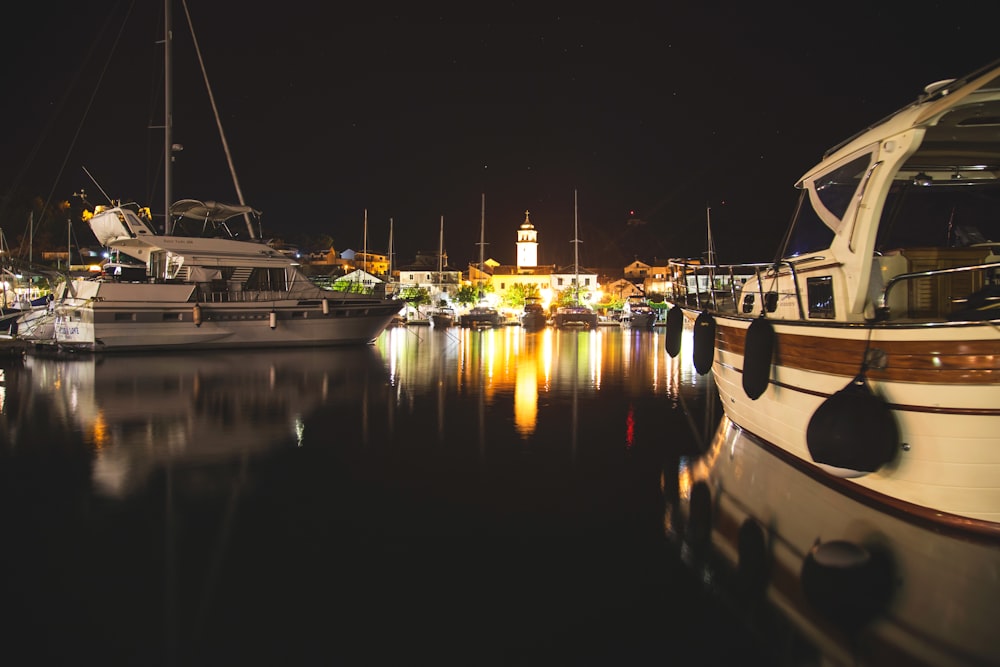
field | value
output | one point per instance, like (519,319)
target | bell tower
(527,244)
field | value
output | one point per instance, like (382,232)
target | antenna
(94,181)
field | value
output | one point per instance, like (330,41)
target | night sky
(666,112)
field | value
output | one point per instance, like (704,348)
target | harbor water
(457,496)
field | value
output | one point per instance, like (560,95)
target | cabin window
(824,203)
(268,279)
(948,212)
(820,294)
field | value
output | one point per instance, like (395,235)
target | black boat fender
(675,327)
(704,343)
(758,351)
(853,429)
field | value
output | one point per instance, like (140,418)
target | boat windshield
(950,213)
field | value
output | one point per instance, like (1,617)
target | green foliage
(415,296)
(612,302)
(466,295)
(571,296)
(347,285)
(518,293)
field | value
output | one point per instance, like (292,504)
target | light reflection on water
(508,479)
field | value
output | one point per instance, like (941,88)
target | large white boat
(187,291)
(868,354)
(202,284)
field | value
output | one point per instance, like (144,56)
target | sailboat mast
(711,242)
(168,114)
(441,253)
(482,244)
(576,252)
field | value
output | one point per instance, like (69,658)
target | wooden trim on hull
(940,522)
(953,361)
(902,407)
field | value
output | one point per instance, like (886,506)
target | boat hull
(640,321)
(533,321)
(160,317)
(941,385)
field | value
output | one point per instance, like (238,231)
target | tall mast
(168,114)
(364,255)
(390,250)
(482,245)
(576,253)
(441,253)
(711,241)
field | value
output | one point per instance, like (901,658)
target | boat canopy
(214,213)
(210,211)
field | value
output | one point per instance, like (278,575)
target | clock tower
(527,244)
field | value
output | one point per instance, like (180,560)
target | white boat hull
(110,316)
(948,461)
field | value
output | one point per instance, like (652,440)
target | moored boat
(533,316)
(194,292)
(868,354)
(574,316)
(481,316)
(638,314)
(201,283)
(441,317)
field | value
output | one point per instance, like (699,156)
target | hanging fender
(326,306)
(704,343)
(196,315)
(675,327)
(272,319)
(758,350)
(854,430)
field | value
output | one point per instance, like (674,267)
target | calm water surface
(451,496)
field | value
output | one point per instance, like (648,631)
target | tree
(518,293)
(466,295)
(415,296)
(572,295)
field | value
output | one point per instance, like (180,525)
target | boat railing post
(732,286)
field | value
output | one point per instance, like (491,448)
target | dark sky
(667,111)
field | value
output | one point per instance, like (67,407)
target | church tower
(527,244)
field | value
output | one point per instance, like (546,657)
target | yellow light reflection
(526,396)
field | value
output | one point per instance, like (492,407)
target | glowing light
(630,427)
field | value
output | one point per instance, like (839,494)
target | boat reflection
(856,584)
(138,414)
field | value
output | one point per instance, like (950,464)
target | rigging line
(62,102)
(215,110)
